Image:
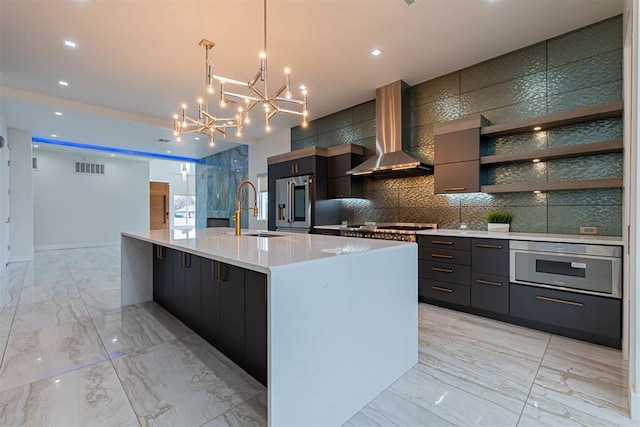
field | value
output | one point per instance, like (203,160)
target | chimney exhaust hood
(392,125)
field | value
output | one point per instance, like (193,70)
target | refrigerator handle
(290,191)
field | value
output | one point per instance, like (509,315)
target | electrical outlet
(588,230)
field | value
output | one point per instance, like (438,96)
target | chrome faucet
(236,216)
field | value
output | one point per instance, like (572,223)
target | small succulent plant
(499,217)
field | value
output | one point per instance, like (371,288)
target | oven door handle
(290,196)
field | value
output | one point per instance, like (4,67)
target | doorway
(159,205)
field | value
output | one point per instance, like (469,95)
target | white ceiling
(138,60)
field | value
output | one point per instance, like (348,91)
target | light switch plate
(588,230)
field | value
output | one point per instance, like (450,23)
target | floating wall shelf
(586,184)
(579,115)
(613,146)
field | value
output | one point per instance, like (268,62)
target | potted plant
(498,221)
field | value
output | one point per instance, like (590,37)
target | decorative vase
(498,227)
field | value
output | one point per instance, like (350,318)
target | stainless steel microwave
(293,203)
(589,269)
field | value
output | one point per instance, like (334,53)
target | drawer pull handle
(442,270)
(438,288)
(159,252)
(482,245)
(442,256)
(487,282)
(560,301)
(455,189)
(441,242)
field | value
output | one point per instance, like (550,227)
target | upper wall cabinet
(457,151)
(457,155)
(342,158)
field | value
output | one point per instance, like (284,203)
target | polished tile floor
(71,356)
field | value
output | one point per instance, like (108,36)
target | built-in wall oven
(589,269)
(293,203)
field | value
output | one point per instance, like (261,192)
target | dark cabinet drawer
(444,255)
(445,242)
(587,313)
(489,292)
(490,256)
(447,292)
(451,273)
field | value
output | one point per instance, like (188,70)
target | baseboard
(76,245)
(634,404)
(22,258)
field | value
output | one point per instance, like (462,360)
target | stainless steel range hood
(392,125)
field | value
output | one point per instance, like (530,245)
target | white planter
(498,227)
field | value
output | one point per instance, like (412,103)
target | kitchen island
(342,313)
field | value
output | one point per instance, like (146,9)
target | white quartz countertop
(260,253)
(540,237)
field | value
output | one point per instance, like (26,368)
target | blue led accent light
(113,150)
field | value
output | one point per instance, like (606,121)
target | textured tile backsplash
(574,70)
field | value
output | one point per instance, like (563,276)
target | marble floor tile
(7,314)
(48,352)
(10,287)
(443,393)
(55,290)
(14,269)
(3,344)
(103,303)
(389,409)
(579,382)
(484,350)
(45,314)
(169,384)
(92,396)
(138,327)
(98,284)
(252,413)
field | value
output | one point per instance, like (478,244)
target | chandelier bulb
(175,117)
(175,133)
(184,124)
(247,120)
(263,55)
(184,106)
(287,70)
(238,133)
(223,103)
(240,109)
(212,143)
(267,128)
(178,139)
(288,95)
(200,101)
(210,89)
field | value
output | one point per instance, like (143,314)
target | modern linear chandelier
(206,123)
(272,104)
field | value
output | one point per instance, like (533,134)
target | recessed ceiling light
(302,87)
(197,138)
(537,128)
(58,113)
(53,135)
(376,52)
(169,151)
(63,83)
(536,160)
(537,191)
(69,43)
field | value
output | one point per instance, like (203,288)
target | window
(263,196)
(184,211)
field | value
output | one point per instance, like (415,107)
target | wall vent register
(89,168)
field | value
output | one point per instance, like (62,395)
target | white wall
(76,210)
(632,91)
(168,171)
(276,143)
(4,197)
(21,206)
